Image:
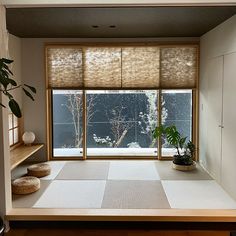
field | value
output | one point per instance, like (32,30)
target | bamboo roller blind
(117,67)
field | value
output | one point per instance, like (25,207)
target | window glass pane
(120,123)
(11,137)
(67,123)
(15,121)
(16,136)
(176,110)
(10,121)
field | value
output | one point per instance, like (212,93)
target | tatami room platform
(123,184)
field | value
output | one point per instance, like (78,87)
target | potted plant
(183,160)
(7,85)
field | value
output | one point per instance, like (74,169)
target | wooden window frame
(195,104)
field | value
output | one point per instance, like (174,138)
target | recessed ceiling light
(95,26)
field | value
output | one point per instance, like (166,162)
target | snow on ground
(112,152)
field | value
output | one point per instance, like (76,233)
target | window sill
(21,153)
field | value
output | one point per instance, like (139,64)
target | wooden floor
(106,228)
(100,232)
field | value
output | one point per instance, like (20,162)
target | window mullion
(159,110)
(84,126)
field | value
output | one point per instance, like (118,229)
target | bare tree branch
(75,107)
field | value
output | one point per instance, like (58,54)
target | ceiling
(122,22)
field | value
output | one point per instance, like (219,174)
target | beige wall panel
(229,121)
(219,42)
(214,111)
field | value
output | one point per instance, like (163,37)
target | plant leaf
(7,61)
(159,131)
(27,93)
(2,105)
(182,142)
(12,82)
(33,89)
(7,68)
(4,78)
(15,108)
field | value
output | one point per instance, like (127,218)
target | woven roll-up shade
(64,67)
(102,67)
(178,67)
(140,67)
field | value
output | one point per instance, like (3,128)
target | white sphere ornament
(28,138)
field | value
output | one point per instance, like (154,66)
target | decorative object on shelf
(25,185)
(7,85)
(39,170)
(28,138)
(183,160)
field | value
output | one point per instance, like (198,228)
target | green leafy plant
(185,151)
(7,85)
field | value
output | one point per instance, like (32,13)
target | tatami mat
(133,170)
(72,194)
(197,194)
(166,172)
(29,200)
(56,167)
(77,170)
(131,194)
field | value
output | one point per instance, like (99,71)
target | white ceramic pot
(28,137)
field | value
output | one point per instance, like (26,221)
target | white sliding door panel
(229,121)
(214,117)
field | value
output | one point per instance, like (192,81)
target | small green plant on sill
(185,150)
(7,85)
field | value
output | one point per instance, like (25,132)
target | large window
(106,101)
(118,122)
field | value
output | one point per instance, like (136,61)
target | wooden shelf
(21,153)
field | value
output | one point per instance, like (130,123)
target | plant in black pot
(183,160)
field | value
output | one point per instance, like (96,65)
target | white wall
(14,46)
(33,72)
(216,45)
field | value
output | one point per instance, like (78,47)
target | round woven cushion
(25,185)
(39,170)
